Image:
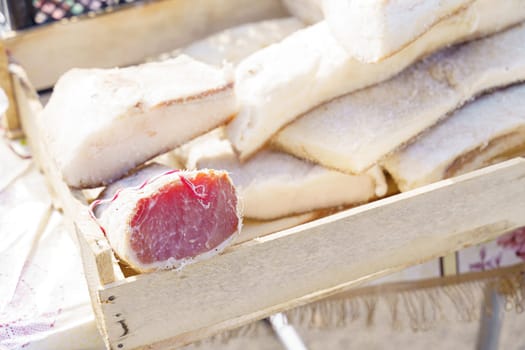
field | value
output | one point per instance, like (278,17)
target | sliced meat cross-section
(171,219)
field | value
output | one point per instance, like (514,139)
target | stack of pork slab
(302,119)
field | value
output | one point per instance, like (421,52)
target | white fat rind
(308,11)
(115,219)
(372,30)
(499,116)
(279,83)
(273,184)
(354,132)
(101,123)
(234,44)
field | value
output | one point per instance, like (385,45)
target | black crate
(27,13)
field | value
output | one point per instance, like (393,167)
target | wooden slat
(10,122)
(91,267)
(253,228)
(129,35)
(501,273)
(315,260)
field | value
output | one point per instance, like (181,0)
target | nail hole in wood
(111,298)
(120,345)
(118,315)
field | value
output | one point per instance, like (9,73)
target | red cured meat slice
(184,219)
(158,218)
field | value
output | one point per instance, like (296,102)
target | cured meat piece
(356,131)
(308,11)
(234,44)
(101,123)
(371,30)
(279,83)
(299,186)
(171,219)
(485,131)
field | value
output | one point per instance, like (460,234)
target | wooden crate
(127,36)
(255,279)
(259,277)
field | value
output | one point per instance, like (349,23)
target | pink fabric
(507,250)
(515,242)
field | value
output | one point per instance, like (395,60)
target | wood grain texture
(252,229)
(130,35)
(10,122)
(315,260)
(93,278)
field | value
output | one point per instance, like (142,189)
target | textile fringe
(418,306)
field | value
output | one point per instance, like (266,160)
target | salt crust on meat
(279,83)
(234,44)
(482,130)
(356,131)
(100,123)
(372,30)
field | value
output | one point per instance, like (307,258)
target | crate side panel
(315,260)
(130,35)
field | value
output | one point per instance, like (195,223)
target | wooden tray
(262,276)
(280,271)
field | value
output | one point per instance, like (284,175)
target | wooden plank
(254,228)
(315,260)
(93,278)
(502,273)
(10,121)
(129,35)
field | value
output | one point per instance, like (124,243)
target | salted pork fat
(356,131)
(486,131)
(101,123)
(279,83)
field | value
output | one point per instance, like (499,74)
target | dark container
(28,13)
